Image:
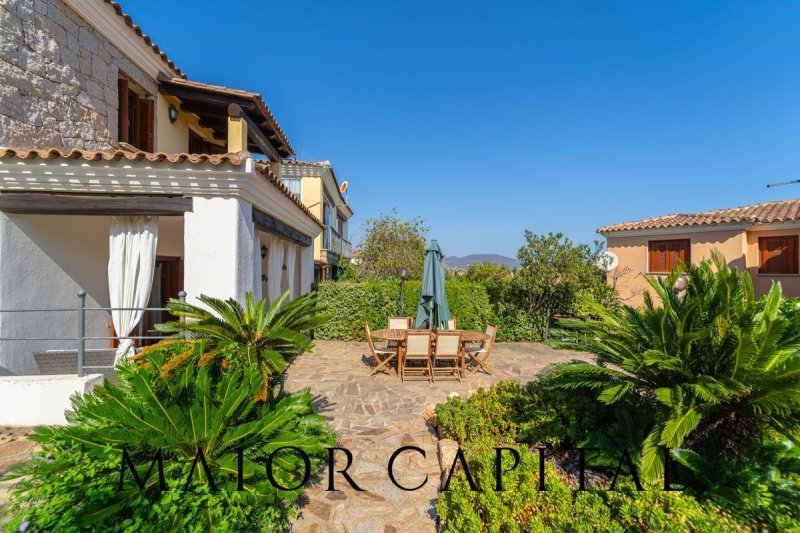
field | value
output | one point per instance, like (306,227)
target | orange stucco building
(761,238)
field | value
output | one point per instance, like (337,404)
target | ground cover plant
(201,402)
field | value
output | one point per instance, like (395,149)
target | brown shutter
(778,255)
(146,122)
(123,116)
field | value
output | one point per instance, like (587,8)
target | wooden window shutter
(663,256)
(778,255)
(146,122)
(123,112)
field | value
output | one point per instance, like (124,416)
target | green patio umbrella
(433,311)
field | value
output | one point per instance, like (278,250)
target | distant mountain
(467,260)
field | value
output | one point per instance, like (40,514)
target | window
(777,255)
(665,255)
(294,184)
(136,117)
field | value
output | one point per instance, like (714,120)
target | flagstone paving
(375,415)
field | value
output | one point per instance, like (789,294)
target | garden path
(375,415)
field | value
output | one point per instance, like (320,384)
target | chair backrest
(491,330)
(448,342)
(418,342)
(399,322)
(369,337)
(451,324)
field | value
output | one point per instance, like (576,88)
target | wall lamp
(173,114)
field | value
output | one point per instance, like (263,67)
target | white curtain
(291,257)
(132,242)
(257,284)
(275,268)
(306,269)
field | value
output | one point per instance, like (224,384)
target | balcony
(334,246)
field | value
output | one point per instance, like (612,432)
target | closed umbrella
(433,311)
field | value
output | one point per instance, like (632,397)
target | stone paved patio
(375,415)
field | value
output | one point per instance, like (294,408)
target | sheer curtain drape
(290,260)
(275,270)
(257,284)
(132,242)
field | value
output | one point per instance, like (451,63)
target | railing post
(81,330)
(182,298)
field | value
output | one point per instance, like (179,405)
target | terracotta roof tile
(158,157)
(255,97)
(768,212)
(129,21)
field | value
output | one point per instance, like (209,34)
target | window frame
(792,266)
(668,263)
(135,116)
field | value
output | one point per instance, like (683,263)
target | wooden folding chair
(481,355)
(451,324)
(398,322)
(382,358)
(448,350)
(417,348)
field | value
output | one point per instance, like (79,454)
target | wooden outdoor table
(400,334)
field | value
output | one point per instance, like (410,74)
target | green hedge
(349,304)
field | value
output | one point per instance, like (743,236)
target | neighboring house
(761,239)
(120,176)
(316,185)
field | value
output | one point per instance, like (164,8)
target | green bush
(349,305)
(532,414)
(522,507)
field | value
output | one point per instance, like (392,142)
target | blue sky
(489,118)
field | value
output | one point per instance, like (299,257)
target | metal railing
(333,242)
(80,339)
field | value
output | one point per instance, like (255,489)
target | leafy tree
(494,276)
(265,337)
(390,245)
(554,271)
(715,367)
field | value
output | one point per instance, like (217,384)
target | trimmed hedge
(349,304)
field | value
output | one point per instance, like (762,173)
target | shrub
(348,305)
(486,414)
(532,414)
(522,507)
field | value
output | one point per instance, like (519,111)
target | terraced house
(761,239)
(121,177)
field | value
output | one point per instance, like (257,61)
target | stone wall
(58,78)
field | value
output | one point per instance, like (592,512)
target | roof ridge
(764,212)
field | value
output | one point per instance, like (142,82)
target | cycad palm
(265,337)
(713,361)
(179,415)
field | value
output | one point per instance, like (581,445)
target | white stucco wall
(35,400)
(219,243)
(44,260)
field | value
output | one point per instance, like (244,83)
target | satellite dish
(343,187)
(608,261)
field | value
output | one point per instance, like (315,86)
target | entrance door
(167,283)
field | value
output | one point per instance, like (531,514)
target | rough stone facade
(58,78)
